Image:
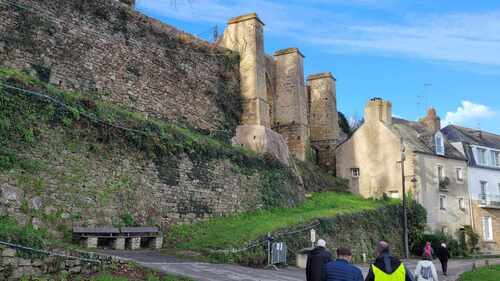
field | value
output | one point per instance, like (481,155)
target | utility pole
(405,215)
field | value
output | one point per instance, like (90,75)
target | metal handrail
(489,200)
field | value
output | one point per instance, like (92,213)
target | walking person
(428,250)
(341,269)
(387,267)
(426,271)
(443,255)
(316,260)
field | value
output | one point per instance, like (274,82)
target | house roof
(472,136)
(418,138)
(468,137)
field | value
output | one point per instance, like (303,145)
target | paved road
(215,272)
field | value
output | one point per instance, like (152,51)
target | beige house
(435,171)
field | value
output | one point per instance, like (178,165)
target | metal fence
(488,200)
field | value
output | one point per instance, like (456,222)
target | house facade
(482,150)
(435,171)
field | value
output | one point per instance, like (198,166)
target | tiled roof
(418,137)
(468,137)
(472,136)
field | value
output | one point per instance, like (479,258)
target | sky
(417,54)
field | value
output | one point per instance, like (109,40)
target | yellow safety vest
(398,275)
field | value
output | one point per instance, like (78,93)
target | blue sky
(416,53)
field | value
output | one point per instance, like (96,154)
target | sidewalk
(223,272)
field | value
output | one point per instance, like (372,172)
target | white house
(482,149)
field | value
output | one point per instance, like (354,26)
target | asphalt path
(224,272)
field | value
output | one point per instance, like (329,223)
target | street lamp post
(405,216)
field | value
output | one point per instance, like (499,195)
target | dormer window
(439,143)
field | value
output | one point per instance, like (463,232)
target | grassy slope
(491,273)
(238,230)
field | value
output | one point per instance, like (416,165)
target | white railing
(487,200)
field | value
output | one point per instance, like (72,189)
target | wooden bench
(121,238)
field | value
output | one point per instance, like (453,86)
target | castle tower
(290,103)
(244,34)
(323,117)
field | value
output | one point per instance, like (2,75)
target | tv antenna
(423,98)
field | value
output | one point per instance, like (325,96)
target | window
(461,203)
(460,175)
(495,158)
(394,194)
(484,187)
(444,229)
(442,202)
(487,229)
(355,172)
(439,143)
(440,172)
(499,189)
(481,156)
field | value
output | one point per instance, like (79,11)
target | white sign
(313,235)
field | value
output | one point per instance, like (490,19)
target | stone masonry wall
(16,264)
(107,48)
(81,182)
(59,169)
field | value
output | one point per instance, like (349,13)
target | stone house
(482,150)
(435,171)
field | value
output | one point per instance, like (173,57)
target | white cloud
(471,38)
(469,114)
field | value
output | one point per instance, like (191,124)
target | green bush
(436,239)
(27,235)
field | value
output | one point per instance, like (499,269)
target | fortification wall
(60,168)
(107,48)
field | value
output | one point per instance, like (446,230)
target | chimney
(378,110)
(432,121)
(128,2)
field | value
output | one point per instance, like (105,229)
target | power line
(71,109)
(83,29)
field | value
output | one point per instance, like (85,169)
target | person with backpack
(387,267)
(443,255)
(425,270)
(316,260)
(428,250)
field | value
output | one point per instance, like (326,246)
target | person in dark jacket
(316,260)
(341,270)
(443,255)
(386,266)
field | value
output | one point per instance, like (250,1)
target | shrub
(27,235)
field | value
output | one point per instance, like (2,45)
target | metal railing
(487,200)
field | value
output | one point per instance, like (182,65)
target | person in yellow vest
(386,267)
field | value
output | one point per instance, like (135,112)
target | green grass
(238,230)
(490,273)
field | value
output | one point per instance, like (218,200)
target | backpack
(426,273)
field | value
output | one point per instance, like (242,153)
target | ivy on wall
(22,117)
